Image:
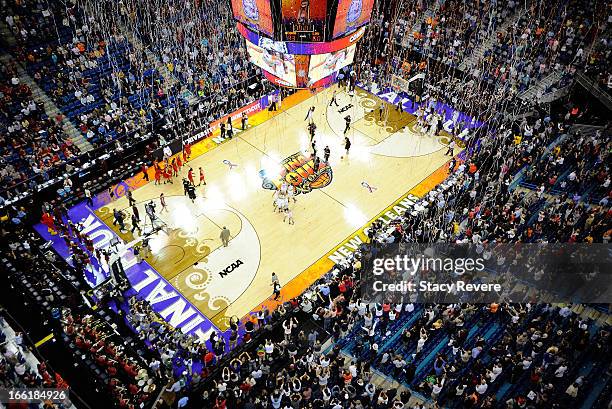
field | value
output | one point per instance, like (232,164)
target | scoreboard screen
(303,20)
(351,15)
(256,14)
(300,43)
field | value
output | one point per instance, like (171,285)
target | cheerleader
(202,180)
(167,175)
(158,174)
(186,152)
(282,202)
(174,167)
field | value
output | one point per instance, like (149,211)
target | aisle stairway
(169,77)
(594,88)
(429,12)
(537,91)
(472,60)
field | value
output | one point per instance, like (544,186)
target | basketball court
(387,158)
(195,282)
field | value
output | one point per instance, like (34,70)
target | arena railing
(57,174)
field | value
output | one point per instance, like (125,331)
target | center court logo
(299,171)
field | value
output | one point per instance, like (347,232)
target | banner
(250,109)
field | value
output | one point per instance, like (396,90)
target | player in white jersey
(291,193)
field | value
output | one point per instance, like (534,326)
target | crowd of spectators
(31,143)
(20,369)
(530,41)
(110,88)
(574,167)
(128,381)
(529,354)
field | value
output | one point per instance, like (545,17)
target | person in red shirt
(179,163)
(133,389)
(167,175)
(202,181)
(220,403)
(47,220)
(209,358)
(190,176)
(157,175)
(174,167)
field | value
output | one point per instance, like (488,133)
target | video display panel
(323,65)
(351,15)
(307,48)
(304,19)
(302,64)
(279,64)
(256,14)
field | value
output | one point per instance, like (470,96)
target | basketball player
(186,152)
(135,225)
(191,193)
(309,115)
(347,120)
(347,145)
(130,197)
(281,201)
(316,163)
(276,291)
(175,168)
(167,174)
(162,201)
(284,186)
(311,129)
(420,119)
(145,249)
(291,193)
(451,148)
(275,200)
(158,174)
(288,216)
